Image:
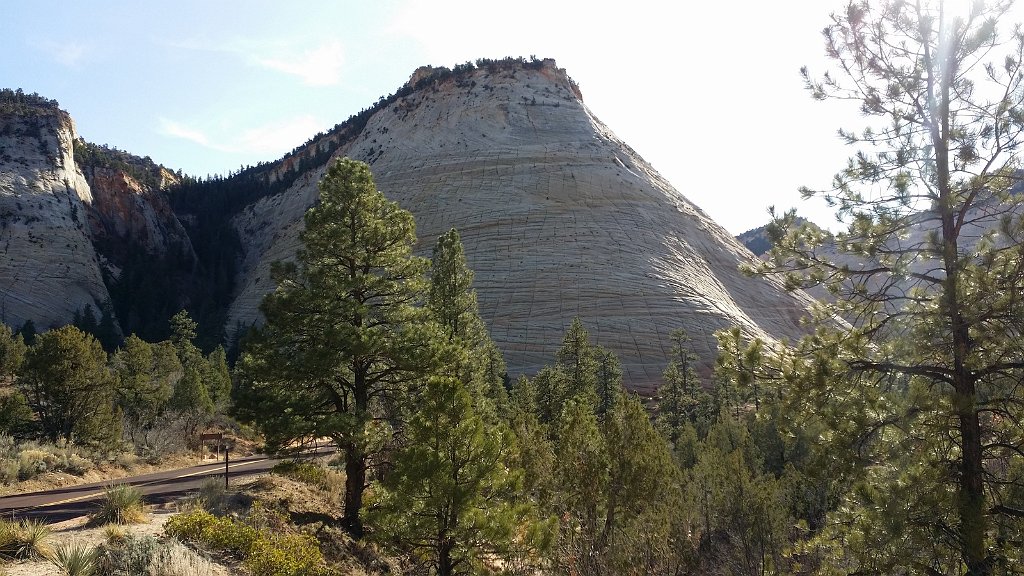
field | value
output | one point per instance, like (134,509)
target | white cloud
(279,137)
(179,130)
(274,138)
(317,66)
(320,66)
(69,53)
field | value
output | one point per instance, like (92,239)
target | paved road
(159,487)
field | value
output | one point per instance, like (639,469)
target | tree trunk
(355,480)
(355,457)
(445,566)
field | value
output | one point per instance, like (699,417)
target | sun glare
(957,9)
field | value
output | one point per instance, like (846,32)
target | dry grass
(176,559)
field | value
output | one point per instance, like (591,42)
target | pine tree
(191,398)
(451,496)
(145,382)
(607,380)
(682,400)
(928,273)
(12,354)
(67,384)
(218,378)
(344,335)
(453,305)
(643,493)
(577,360)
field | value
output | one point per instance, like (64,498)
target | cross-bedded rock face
(48,267)
(559,219)
(61,232)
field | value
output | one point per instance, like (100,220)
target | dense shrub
(263,552)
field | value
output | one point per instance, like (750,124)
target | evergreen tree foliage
(919,391)
(191,398)
(12,354)
(607,380)
(682,399)
(739,517)
(581,479)
(218,379)
(15,415)
(146,375)
(67,384)
(452,496)
(474,358)
(577,360)
(344,334)
(643,493)
(28,332)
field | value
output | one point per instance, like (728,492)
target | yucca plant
(24,539)
(121,504)
(75,559)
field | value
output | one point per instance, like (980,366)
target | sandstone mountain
(559,218)
(73,216)
(49,268)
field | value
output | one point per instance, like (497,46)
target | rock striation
(559,219)
(73,215)
(49,268)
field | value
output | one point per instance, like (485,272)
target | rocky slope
(74,217)
(48,268)
(559,218)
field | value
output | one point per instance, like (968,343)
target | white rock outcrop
(48,266)
(559,219)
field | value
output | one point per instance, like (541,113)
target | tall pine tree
(345,333)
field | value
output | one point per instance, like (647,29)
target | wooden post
(226,460)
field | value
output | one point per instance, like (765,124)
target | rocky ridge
(72,215)
(559,219)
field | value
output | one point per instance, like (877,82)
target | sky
(708,92)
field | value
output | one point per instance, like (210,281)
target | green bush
(311,473)
(263,552)
(306,472)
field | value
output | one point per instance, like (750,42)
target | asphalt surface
(157,488)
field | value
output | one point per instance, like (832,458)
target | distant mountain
(756,239)
(559,218)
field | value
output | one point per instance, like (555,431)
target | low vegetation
(75,559)
(24,539)
(121,504)
(262,541)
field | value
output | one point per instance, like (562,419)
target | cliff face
(74,217)
(48,266)
(128,215)
(559,219)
